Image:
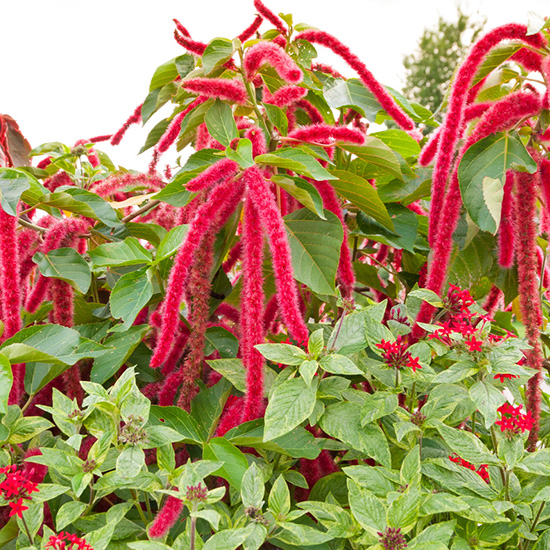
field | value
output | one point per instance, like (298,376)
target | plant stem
(31,540)
(340,321)
(138,506)
(192,533)
(495,447)
(139,211)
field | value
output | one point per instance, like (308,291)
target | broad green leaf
(482,173)
(252,488)
(217,52)
(537,462)
(366,508)
(234,461)
(234,371)
(130,295)
(68,513)
(381,158)
(315,247)
(351,93)
(171,242)
(242,154)
(169,71)
(155,134)
(256,538)
(370,478)
(148,545)
(127,252)
(175,193)
(291,403)
(85,203)
(298,161)
(221,340)
(339,364)
(130,461)
(362,194)
(279,497)
(343,421)
(427,295)
(277,117)
(399,141)
(27,427)
(228,539)
(404,510)
(150,232)
(177,419)
(466,445)
(487,399)
(220,123)
(495,58)
(6,381)
(304,535)
(303,191)
(378,405)
(208,406)
(12,184)
(65,264)
(122,344)
(286,354)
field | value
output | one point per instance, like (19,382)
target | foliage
(273,344)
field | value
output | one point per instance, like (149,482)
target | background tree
(440,49)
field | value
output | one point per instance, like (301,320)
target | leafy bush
(348,371)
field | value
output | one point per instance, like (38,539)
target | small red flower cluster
(482,470)
(66,541)
(196,493)
(396,355)
(513,421)
(16,488)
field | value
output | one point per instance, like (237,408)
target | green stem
(148,506)
(192,533)
(31,540)
(495,448)
(138,506)
(340,321)
(474,422)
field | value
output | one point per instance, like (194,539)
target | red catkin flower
(222,88)
(57,180)
(327,69)
(312,112)
(268,52)
(493,301)
(451,129)
(249,31)
(166,518)
(184,258)
(284,96)
(134,118)
(257,138)
(269,16)
(383,97)
(324,133)
(213,175)
(252,310)
(529,59)
(507,229)
(184,39)
(272,222)
(545,70)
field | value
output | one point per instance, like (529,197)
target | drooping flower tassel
(213,175)
(268,52)
(222,88)
(166,517)
(252,310)
(184,39)
(269,16)
(383,97)
(135,118)
(284,96)
(271,220)
(249,31)
(493,300)
(325,133)
(507,229)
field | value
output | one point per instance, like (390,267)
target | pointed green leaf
(380,157)
(220,123)
(130,295)
(65,264)
(242,155)
(128,252)
(217,52)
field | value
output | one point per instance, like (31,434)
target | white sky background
(73,69)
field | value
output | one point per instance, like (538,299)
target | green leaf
(122,344)
(220,123)
(65,264)
(291,403)
(537,462)
(482,173)
(130,295)
(378,405)
(148,545)
(27,427)
(379,156)
(487,399)
(496,57)
(366,508)
(299,533)
(175,193)
(404,510)
(277,117)
(511,451)
(85,203)
(128,252)
(427,295)
(228,539)
(6,381)
(286,354)
(252,488)
(339,364)
(169,71)
(154,135)
(258,534)
(370,478)
(466,445)
(13,183)
(351,93)
(399,141)
(130,461)
(177,419)
(68,513)
(234,461)
(242,155)
(315,247)
(279,498)
(298,161)
(343,421)
(217,52)
(234,371)
(303,191)
(362,194)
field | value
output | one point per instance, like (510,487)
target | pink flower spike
(135,118)
(545,70)
(259,192)
(324,133)
(506,232)
(176,283)
(166,518)
(183,38)
(312,112)
(252,310)
(249,31)
(270,16)
(285,96)
(222,88)
(383,97)
(268,52)
(257,138)
(213,175)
